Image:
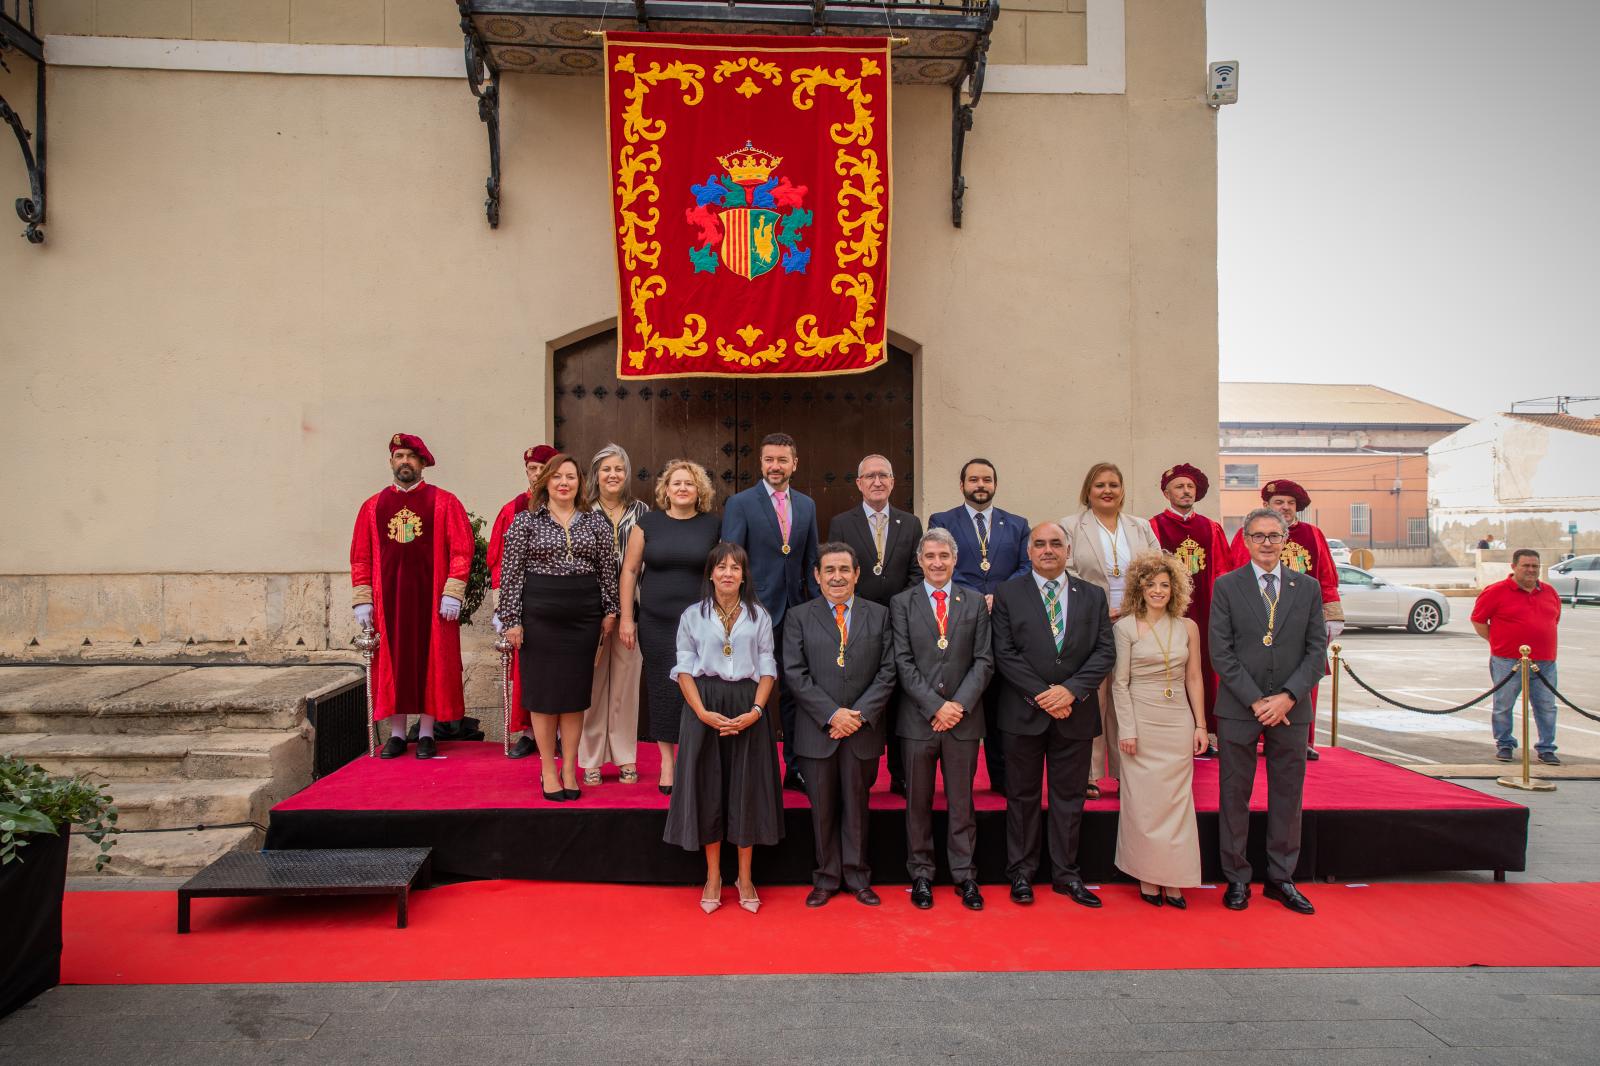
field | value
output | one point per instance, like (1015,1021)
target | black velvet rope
(1425,710)
(1570,705)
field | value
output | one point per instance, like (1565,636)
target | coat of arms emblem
(749,220)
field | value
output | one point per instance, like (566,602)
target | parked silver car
(1578,577)
(1339,550)
(1369,600)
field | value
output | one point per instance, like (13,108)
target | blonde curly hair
(705,497)
(1144,569)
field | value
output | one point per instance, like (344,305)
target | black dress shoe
(1237,898)
(523,748)
(1177,903)
(1285,893)
(866,897)
(1154,901)
(818,897)
(897,785)
(571,793)
(971,898)
(793,780)
(1210,752)
(1311,754)
(921,893)
(1021,891)
(426,748)
(665,790)
(1075,891)
(393,748)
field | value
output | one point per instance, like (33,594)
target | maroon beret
(1202,484)
(414,442)
(539,453)
(1285,487)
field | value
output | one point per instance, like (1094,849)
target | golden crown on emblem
(749,165)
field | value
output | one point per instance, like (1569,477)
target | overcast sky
(1408,196)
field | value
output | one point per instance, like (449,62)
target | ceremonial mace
(367,644)
(503,646)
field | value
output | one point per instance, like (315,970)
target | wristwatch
(758,708)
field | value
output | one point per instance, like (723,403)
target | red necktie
(939,609)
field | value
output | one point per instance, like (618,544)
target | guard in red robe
(533,461)
(1202,546)
(1307,552)
(410,556)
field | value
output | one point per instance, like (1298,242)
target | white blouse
(701,640)
(1114,585)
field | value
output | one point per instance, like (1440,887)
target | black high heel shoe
(1154,901)
(571,793)
(665,790)
(558,796)
(1177,903)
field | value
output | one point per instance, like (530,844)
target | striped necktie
(1052,610)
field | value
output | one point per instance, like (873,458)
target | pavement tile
(1286,1035)
(1271,1008)
(1517,1033)
(189,999)
(29,1026)
(1511,1005)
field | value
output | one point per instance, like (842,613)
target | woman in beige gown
(1161,727)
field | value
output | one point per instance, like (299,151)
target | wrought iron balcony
(938,42)
(17,37)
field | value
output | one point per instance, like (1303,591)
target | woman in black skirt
(558,600)
(728,785)
(666,558)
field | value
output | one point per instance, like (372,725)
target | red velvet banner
(750,191)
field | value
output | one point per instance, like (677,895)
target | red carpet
(519,929)
(476,776)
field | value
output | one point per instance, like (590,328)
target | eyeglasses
(874,477)
(1265,538)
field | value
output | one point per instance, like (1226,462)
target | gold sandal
(591,776)
(629,775)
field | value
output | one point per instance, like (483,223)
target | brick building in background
(1360,451)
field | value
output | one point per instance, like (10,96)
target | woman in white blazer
(1104,541)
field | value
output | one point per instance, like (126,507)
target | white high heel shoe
(710,905)
(753,904)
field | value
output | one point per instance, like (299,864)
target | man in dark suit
(777,528)
(994,549)
(885,542)
(1268,645)
(838,661)
(1052,648)
(944,660)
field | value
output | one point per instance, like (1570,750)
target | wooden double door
(719,423)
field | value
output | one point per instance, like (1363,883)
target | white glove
(364,615)
(449,608)
(1334,629)
(499,626)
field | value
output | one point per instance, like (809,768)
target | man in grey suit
(1052,648)
(1268,646)
(838,662)
(944,661)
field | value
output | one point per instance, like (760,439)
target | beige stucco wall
(251,281)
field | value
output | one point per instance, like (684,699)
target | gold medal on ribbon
(727,649)
(943,643)
(877,570)
(1266,638)
(786,549)
(840,660)
(984,565)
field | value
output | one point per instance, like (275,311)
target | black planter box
(31,891)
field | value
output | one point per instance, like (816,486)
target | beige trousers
(1106,758)
(611,724)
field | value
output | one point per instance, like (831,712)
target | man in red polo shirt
(1521,610)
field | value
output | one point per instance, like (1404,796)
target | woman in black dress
(666,559)
(558,585)
(728,782)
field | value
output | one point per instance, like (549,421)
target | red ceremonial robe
(1202,546)
(417,667)
(497,546)
(1306,553)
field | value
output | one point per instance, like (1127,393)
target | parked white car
(1339,550)
(1578,577)
(1369,600)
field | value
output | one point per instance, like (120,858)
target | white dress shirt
(701,639)
(1061,590)
(1114,585)
(1276,572)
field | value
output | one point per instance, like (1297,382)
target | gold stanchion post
(366,643)
(1527,782)
(1333,724)
(503,646)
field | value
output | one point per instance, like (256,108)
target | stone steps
(159,699)
(160,854)
(259,754)
(175,746)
